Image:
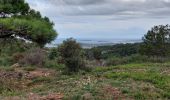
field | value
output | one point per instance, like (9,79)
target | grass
(29,68)
(144,81)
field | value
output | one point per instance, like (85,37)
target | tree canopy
(17,20)
(157,41)
(13,7)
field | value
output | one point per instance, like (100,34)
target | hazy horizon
(94,42)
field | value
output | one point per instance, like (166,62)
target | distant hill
(89,43)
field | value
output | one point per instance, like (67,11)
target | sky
(104,19)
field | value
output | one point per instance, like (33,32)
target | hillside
(138,81)
(103,51)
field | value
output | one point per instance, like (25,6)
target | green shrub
(97,53)
(53,64)
(29,68)
(135,59)
(72,55)
(53,54)
(158,59)
(116,61)
(10,47)
(5,61)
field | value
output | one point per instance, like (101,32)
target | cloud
(77,2)
(120,8)
(104,16)
(112,7)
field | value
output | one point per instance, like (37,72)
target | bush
(53,54)
(97,53)
(34,57)
(72,55)
(10,47)
(53,64)
(135,59)
(29,68)
(158,59)
(8,85)
(116,61)
(17,56)
(5,61)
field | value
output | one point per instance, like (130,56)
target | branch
(6,35)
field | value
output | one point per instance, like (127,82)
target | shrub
(135,59)
(116,61)
(158,59)
(10,47)
(17,56)
(53,64)
(29,68)
(8,85)
(72,55)
(53,54)
(97,53)
(34,57)
(5,61)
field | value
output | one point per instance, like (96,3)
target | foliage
(11,51)
(72,54)
(97,53)
(8,47)
(119,50)
(53,64)
(13,6)
(18,20)
(135,59)
(157,41)
(29,68)
(38,31)
(5,61)
(53,53)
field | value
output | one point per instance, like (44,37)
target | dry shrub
(34,57)
(17,57)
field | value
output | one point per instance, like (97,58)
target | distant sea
(89,43)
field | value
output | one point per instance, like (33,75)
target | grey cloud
(76,2)
(130,8)
(120,8)
(96,18)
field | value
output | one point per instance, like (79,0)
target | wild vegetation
(31,71)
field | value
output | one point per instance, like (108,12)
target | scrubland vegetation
(31,71)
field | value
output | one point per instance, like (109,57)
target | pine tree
(17,19)
(157,41)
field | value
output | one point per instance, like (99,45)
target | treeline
(119,50)
(155,43)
